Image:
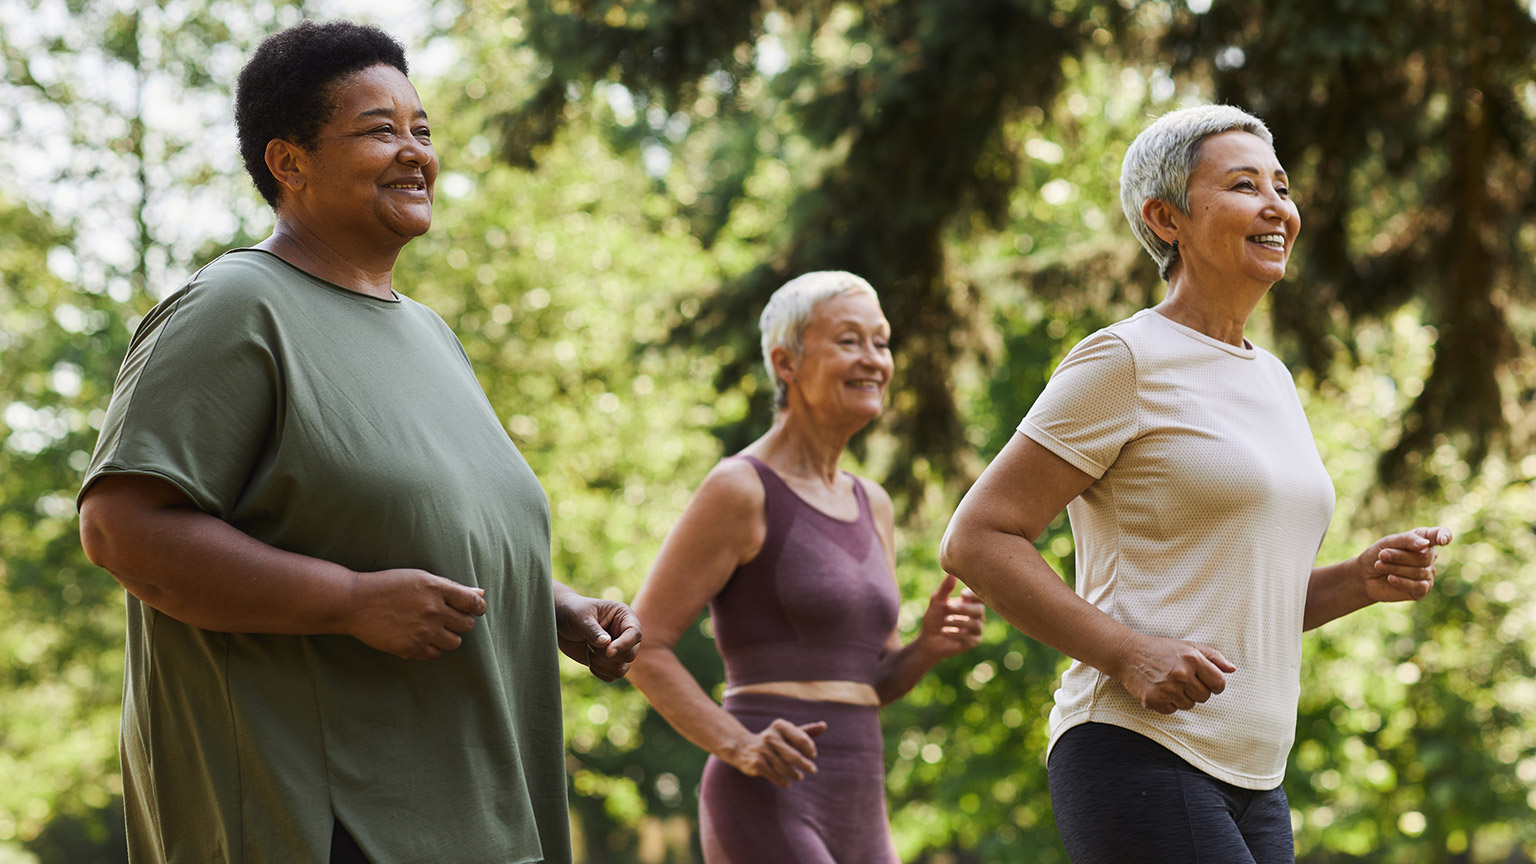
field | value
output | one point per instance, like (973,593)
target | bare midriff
(847,692)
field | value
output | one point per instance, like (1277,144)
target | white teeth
(1271,239)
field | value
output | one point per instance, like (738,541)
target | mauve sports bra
(816,604)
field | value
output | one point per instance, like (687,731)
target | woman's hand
(951,625)
(1402,566)
(412,614)
(1168,675)
(602,635)
(781,754)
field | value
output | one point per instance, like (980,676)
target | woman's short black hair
(285,90)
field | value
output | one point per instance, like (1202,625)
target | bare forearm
(900,670)
(1333,592)
(677,696)
(204,572)
(564,594)
(1396,568)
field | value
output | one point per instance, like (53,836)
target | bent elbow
(94,536)
(104,536)
(952,552)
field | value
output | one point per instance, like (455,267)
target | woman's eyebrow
(1249,169)
(420,114)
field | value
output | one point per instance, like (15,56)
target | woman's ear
(287,162)
(783,364)
(1160,217)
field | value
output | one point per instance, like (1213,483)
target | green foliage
(118,103)
(1421,738)
(894,115)
(60,648)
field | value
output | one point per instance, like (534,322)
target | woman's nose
(413,152)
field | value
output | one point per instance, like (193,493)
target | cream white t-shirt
(1203,524)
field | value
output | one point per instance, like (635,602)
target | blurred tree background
(624,182)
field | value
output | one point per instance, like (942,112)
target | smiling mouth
(865,384)
(1272,241)
(413,186)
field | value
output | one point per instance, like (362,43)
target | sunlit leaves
(60,657)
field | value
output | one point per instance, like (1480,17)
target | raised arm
(722,527)
(950,625)
(989,545)
(203,571)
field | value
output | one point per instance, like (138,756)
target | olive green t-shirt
(352,429)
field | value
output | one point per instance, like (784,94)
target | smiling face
(845,360)
(370,175)
(1242,223)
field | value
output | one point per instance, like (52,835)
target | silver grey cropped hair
(1158,164)
(789,310)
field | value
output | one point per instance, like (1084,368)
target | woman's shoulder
(1143,325)
(1143,341)
(235,282)
(245,268)
(734,484)
(880,506)
(1111,350)
(1274,368)
(878,497)
(222,293)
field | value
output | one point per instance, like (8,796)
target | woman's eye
(424,133)
(1245,184)
(1284,191)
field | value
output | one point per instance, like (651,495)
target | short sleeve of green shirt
(352,429)
(195,398)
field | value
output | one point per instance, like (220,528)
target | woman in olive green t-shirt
(342,623)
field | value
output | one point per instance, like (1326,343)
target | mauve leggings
(835,816)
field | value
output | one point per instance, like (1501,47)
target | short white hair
(789,312)
(1158,164)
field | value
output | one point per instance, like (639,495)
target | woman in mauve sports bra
(795,559)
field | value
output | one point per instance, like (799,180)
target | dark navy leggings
(1122,798)
(344,850)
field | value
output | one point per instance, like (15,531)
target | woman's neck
(307,250)
(1220,315)
(799,448)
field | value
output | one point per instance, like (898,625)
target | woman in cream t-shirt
(1198,503)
